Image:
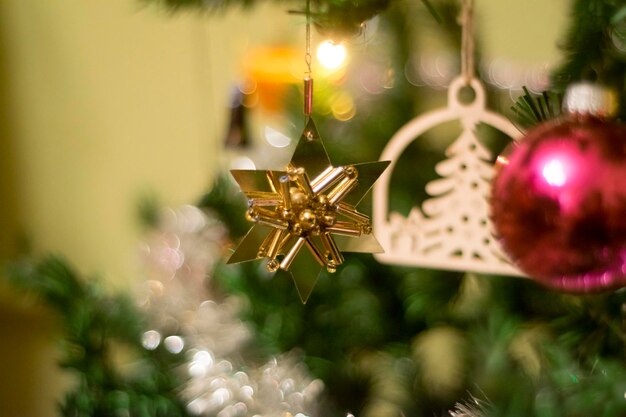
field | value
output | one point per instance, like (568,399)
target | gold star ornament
(305,216)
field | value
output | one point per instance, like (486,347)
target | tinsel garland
(223,375)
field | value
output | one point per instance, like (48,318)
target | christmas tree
(373,339)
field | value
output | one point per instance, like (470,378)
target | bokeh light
(174,344)
(275,138)
(151,339)
(342,106)
(242,162)
(331,55)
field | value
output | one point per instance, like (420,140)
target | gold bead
(331,267)
(298,198)
(287,214)
(329,219)
(272,265)
(307,219)
(296,229)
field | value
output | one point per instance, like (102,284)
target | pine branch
(93,323)
(530,110)
(228,204)
(590,52)
(336,18)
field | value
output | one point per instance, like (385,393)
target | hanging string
(307,56)
(308,81)
(467,40)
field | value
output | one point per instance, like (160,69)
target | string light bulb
(331,55)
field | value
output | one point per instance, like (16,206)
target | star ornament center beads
(305,216)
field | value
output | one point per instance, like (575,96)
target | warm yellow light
(342,106)
(331,55)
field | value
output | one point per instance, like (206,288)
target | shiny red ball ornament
(558,200)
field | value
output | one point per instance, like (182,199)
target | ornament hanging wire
(308,80)
(467,40)
(307,56)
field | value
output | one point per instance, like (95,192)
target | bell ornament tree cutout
(451,230)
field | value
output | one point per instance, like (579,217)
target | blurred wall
(524,32)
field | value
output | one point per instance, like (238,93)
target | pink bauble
(558,203)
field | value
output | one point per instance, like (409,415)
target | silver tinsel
(470,408)
(220,380)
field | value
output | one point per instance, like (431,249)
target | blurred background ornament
(559,198)
(238,132)
(269,72)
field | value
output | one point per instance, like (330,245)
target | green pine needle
(531,110)
(94,323)
(433,11)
